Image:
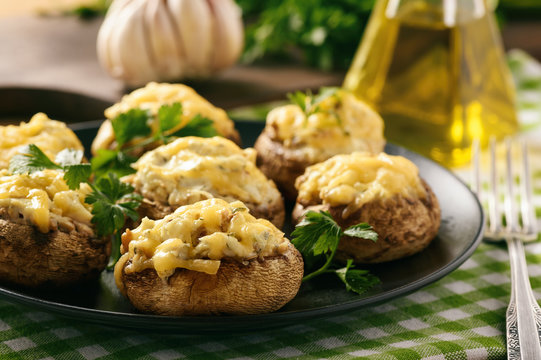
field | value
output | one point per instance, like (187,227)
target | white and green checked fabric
(461,317)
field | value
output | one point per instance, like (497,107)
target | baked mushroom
(151,98)
(50,136)
(382,190)
(211,257)
(191,169)
(312,130)
(46,235)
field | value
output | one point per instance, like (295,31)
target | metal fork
(523,316)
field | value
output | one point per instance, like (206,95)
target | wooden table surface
(59,53)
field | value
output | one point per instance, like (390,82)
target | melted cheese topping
(341,125)
(358,178)
(191,169)
(197,237)
(154,95)
(49,135)
(43,199)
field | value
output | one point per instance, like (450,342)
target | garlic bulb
(160,40)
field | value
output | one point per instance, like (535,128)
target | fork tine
(511,214)
(493,203)
(529,224)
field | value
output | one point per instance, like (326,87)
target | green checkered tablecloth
(462,316)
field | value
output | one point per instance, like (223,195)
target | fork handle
(523,316)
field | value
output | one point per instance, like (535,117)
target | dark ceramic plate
(459,235)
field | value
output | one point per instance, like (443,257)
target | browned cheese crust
(57,258)
(279,163)
(404,226)
(274,212)
(252,287)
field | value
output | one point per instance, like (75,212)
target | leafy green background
(326,33)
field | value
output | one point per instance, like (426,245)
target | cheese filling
(49,135)
(197,237)
(358,178)
(44,200)
(154,95)
(341,124)
(191,169)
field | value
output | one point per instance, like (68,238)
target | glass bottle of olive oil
(435,71)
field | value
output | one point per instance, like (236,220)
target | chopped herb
(31,159)
(107,161)
(319,234)
(130,125)
(136,124)
(198,126)
(112,200)
(75,174)
(356,280)
(309,103)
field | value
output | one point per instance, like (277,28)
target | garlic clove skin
(162,40)
(194,23)
(161,35)
(229,39)
(124,45)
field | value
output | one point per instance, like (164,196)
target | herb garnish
(310,103)
(112,200)
(135,124)
(31,159)
(319,234)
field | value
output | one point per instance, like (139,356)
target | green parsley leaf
(358,281)
(30,159)
(111,201)
(298,98)
(69,157)
(310,103)
(317,233)
(198,126)
(112,161)
(325,93)
(363,231)
(169,116)
(74,175)
(130,125)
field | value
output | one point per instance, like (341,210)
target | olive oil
(437,75)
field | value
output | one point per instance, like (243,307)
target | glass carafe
(435,71)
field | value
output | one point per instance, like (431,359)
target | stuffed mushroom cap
(382,190)
(295,137)
(46,235)
(191,169)
(50,136)
(151,98)
(211,257)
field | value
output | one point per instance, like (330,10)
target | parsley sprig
(112,200)
(318,234)
(309,103)
(31,159)
(133,131)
